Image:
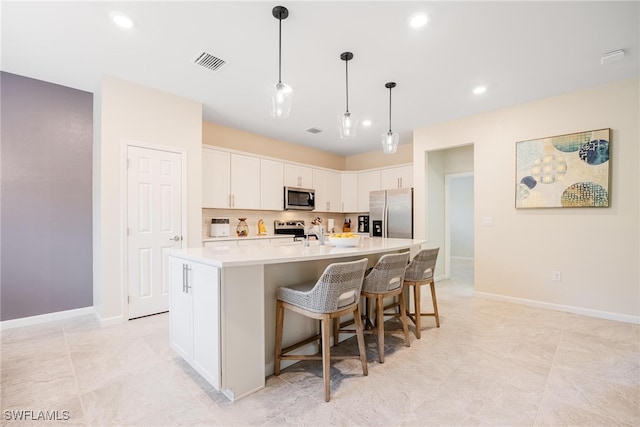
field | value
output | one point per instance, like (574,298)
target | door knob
(176,238)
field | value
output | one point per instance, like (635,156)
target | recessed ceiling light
(418,20)
(479,89)
(121,20)
(366,123)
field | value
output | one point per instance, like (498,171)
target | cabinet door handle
(184,277)
(187,286)
(400,182)
(229,200)
(233,201)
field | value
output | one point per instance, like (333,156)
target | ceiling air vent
(209,61)
(314,130)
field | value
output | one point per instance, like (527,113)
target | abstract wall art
(564,171)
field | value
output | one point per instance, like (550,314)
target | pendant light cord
(346,64)
(280,48)
(390,110)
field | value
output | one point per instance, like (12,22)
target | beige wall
(596,249)
(235,139)
(126,111)
(377,159)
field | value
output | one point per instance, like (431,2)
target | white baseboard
(566,308)
(109,321)
(44,318)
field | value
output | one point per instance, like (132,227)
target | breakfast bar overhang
(222,303)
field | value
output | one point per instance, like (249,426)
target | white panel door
(154,225)
(349,192)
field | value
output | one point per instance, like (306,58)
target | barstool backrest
(387,274)
(338,287)
(422,266)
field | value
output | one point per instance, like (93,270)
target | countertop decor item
(347,124)
(242,229)
(390,139)
(344,239)
(281,94)
(262,229)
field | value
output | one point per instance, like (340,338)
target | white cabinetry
(194,324)
(298,176)
(245,182)
(328,190)
(367,181)
(230,180)
(401,177)
(349,192)
(271,185)
(216,175)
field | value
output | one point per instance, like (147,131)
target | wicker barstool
(385,281)
(420,272)
(335,294)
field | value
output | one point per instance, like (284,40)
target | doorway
(154,226)
(444,167)
(459,226)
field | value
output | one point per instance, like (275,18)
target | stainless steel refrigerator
(391,213)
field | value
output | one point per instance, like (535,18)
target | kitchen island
(222,304)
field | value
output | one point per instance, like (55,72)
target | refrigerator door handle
(385,218)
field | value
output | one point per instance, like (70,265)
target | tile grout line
(546,384)
(73,371)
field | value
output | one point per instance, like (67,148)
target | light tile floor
(490,363)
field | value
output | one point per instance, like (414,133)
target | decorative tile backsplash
(253,216)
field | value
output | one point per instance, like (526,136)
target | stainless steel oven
(299,199)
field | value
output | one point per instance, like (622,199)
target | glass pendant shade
(347,125)
(281,97)
(390,142)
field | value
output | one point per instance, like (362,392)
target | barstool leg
(360,335)
(435,303)
(403,315)
(326,355)
(278,349)
(380,326)
(416,301)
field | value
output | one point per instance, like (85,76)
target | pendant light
(281,94)
(390,139)
(347,124)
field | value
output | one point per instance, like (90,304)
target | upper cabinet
(400,177)
(216,179)
(245,182)
(230,180)
(368,181)
(327,185)
(233,180)
(298,176)
(349,192)
(271,185)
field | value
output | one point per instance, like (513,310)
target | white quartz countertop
(232,256)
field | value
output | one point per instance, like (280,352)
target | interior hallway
(490,363)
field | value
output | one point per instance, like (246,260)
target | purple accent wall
(45,212)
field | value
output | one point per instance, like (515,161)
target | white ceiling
(521,51)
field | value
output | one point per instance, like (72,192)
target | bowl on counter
(344,239)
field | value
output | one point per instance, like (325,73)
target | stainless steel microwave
(299,199)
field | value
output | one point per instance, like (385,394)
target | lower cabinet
(194,324)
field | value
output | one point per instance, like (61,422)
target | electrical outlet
(487,220)
(556,276)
